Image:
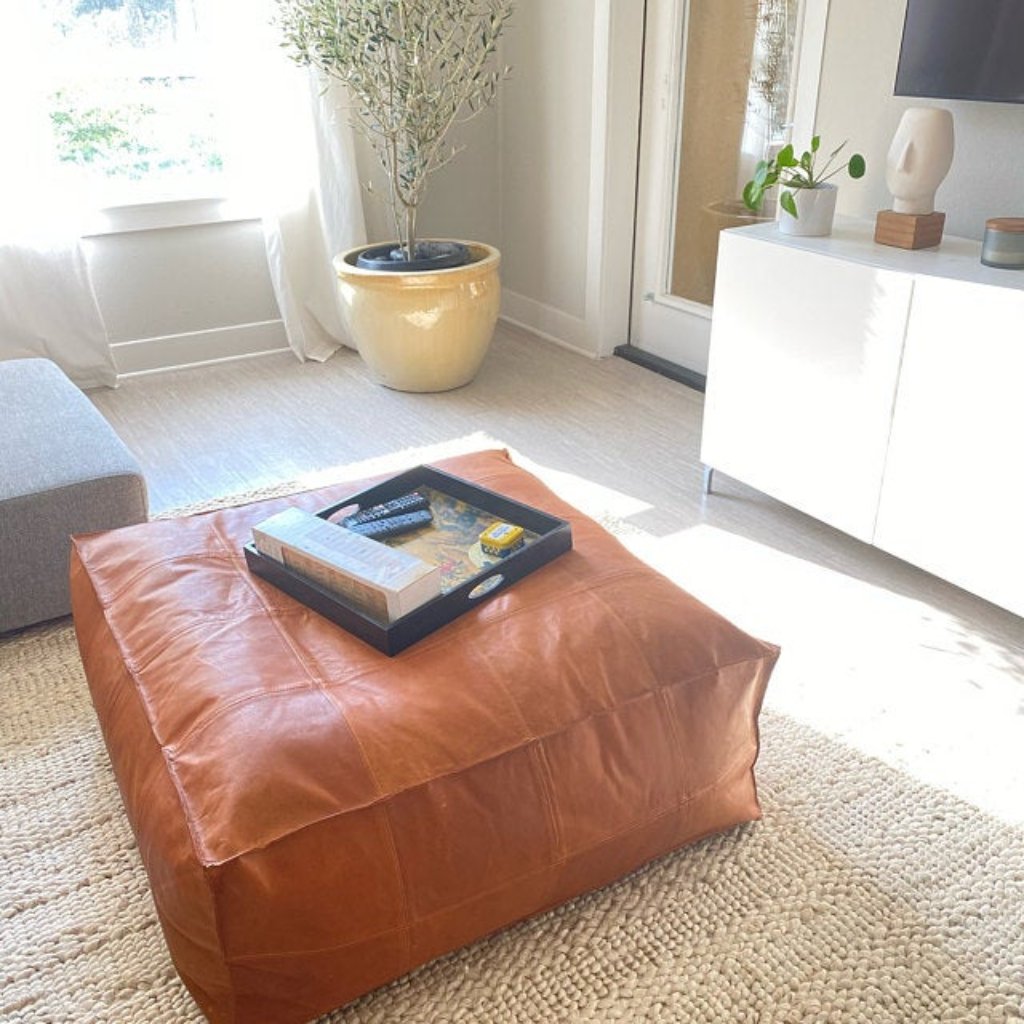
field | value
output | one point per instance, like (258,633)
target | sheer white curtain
(48,308)
(47,303)
(289,157)
(289,154)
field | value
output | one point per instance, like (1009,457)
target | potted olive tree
(421,313)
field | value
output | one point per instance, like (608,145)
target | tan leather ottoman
(317,818)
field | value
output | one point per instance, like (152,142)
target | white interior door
(723,80)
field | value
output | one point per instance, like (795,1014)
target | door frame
(617,76)
(663,63)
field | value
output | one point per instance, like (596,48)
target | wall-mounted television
(963,50)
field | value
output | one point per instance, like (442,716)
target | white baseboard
(171,352)
(547,322)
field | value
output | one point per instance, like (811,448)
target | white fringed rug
(863,897)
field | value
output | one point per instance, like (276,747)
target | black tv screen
(963,50)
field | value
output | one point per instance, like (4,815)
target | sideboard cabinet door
(953,493)
(805,355)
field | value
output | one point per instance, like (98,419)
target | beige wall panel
(176,280)
(545,152)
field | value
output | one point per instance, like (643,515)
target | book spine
(382,582)
(356,592)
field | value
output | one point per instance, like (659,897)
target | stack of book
(384,583)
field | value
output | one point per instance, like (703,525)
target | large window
(128,114)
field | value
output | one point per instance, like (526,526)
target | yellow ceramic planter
(422,331)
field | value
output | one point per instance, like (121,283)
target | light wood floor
(875,652)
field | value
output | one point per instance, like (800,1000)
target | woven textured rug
(863,896)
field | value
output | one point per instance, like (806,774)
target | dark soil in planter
(429,256)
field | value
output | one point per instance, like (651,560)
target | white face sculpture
(919,158)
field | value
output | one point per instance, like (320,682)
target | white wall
(545,149)
(568,145)
(182,295)
(461,199)
(856,103)
(171,280)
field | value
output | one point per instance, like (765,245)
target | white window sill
(174,213)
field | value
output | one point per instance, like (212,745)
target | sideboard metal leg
(709,472)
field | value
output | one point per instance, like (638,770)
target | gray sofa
(63,470)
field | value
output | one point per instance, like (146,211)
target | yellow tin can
(501,539)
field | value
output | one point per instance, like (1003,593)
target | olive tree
(412,69)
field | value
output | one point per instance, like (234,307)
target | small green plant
(792,173)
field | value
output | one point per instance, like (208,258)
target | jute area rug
(863,896)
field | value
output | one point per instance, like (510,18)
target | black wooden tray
(547,535)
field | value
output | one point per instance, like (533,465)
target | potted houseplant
(421,313)
(807,200)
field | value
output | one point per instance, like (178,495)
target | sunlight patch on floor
(598,501)
(888,674)
(396,461)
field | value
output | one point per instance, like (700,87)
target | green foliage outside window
(146,8)
(129,139)
(127,104)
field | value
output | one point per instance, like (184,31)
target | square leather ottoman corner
(317,819)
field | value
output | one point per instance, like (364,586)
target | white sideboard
(879,390)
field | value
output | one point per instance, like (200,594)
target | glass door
(725,84)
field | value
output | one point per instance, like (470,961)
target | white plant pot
(816,208)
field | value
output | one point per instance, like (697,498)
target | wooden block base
(909,230)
